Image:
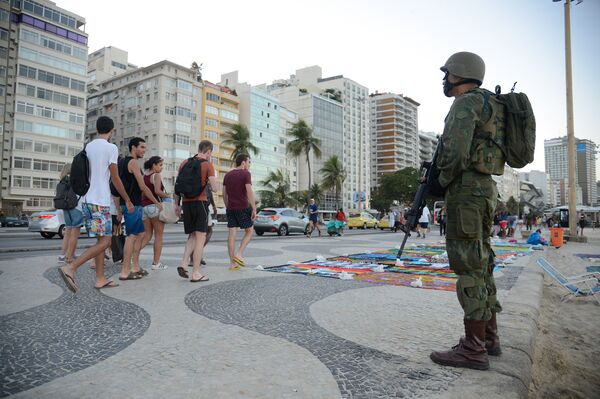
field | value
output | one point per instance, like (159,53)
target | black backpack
(65,196)
(188,183)
(80,173)
(124,176)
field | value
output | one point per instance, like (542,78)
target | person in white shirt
(423,222)
(102,158)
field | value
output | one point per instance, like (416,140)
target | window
(184,99)
(183,127)
(54,62)
(44,183)
(2,90)
(3,16)
(3,34)
(2,71)
(229,115)
(21,181)
(213,97)
(183,85)
(27,71)
(212,110)
(23,144)
(39,202)
(21,163)
(211,134)
(48,130)
(181,139)
(77,101)
(212,122)
(118,65)
(181,111)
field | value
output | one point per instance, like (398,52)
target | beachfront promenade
(252,333)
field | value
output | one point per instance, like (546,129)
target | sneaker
(202,262)
(159,266)
(62,259)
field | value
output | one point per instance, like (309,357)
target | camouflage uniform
(470,201)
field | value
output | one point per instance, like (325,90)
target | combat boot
(470,351)
(492,341)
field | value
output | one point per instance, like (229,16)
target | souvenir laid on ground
(422,266)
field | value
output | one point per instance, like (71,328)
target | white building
(508,184)
(394,134)
(43,73)
(106,63)
(541,181)
(161,103)
(356,140)
(427,144)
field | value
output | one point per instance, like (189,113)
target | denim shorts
(73,218)
(150,212)
(133,220)
(97,220)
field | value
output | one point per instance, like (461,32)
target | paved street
(250,333)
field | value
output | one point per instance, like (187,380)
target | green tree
(267,199)
(239,138)
(316,192)
(303,142)
(298,199)
(401,185)
(277,184)
(512,205)
(333,174)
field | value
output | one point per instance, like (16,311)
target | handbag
(168,215)
(117,244)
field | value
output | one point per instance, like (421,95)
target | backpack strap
(484,131)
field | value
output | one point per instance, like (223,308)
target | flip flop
(203,278)
(109,284)
(69,282)
(142,272)
(239,261)
(131,276)
(182,272)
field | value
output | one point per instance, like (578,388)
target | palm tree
(278,184)
(239,138)
(303,142)
(316,192)
(333,176)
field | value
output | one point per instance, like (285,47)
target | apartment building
(541,181)
(427,145)
(43,69)
(220,111)
(106,63)
(394,134)
(508,184)
(161,103)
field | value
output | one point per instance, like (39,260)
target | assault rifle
(428,186)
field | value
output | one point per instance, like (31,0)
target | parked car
(12,221)
(49,223)
(362,220)
(282,221)
(384,223)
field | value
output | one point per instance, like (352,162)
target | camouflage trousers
(470,202)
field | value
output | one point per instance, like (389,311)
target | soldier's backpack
(517,144)
(80,173)
(188,183)
(65,197)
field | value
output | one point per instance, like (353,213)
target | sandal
(131,276)
(203,278)
(142,272)
(109,284)
(239,261)
(182,272)
(69,281)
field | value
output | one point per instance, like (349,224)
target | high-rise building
(43,69)
(394,134)
(220,111)
(555,153)
(161,103)
(541,181)
(427,144)
(356,140)
(107,63)
(324,116)
(287,118)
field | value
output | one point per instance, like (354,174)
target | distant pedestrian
(73,219)
(423,222)
(152,224)
(392,220)
(131,175)
(240,208)
(313,218)
(582,222)
(442,221)
(102,157)
(340,217)
(194,175)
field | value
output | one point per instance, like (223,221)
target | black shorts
(239,218)
(195,216)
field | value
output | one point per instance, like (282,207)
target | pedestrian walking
(423,222)
(102,162)
(153,226)
(470,216)
(212,218)
(133,181)
(71,208)
(313,218)
(240,208)
(190,187)
(582,222)
(442,221)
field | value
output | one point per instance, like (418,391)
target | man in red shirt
(240,208)
(195,214)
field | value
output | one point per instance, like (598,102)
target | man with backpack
(130,173)
(91,171)
(194,174)
(482,132)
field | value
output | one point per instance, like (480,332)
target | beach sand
(567,348)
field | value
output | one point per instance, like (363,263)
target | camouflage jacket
(464,117)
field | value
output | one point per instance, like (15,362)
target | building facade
(555,153)
(394,134)
(161,103)
(508,184)
(356,140)
(43,72)
(541,181)
(427,145)
(106,63)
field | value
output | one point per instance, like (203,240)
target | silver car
(49,223)
(282,221)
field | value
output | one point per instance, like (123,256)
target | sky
(388,46)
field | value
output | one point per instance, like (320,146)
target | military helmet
(465,65)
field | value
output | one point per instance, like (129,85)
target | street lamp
(570,126)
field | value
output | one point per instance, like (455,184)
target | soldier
(466,162)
